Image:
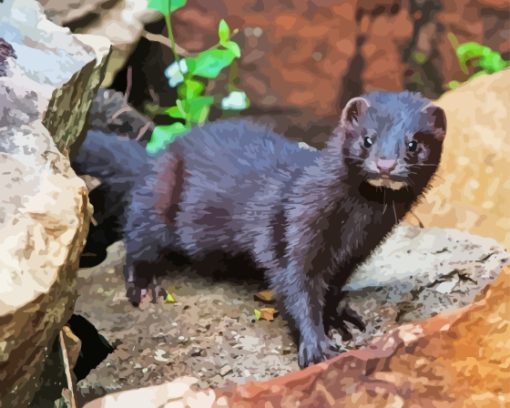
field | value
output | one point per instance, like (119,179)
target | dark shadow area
(94,347)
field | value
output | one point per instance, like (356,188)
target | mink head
(392,140)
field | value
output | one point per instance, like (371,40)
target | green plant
(188,74)
(476,59)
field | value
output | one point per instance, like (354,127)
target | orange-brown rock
(458,359)
(472,189)
(306,55)
(303,60)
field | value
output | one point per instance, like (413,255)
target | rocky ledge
(47,79)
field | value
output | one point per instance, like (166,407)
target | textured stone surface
(65,12)
(472,189)
(454,359)
(121,21)
(44,211)
(182,392)
(418,273)
(64,70)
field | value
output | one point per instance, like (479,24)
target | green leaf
(233,47)
(193,88)
(258,313)
(164,135)
(182,108)
(174,112)
(166,7)
(468,51)
(492,62)
(223,32)
(419,57)
(197,109)
(208,64)
(191,63)
(453,84)
(169,298)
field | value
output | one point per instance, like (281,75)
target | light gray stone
(121,21)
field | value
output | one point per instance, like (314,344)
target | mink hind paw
(313,352)
(338,321)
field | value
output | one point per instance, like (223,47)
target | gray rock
(226,369)
(418,273)
(121,21)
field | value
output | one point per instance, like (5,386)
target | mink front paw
(135,293)
(312,352)
(338,321)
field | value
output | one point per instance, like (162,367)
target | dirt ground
(210,332)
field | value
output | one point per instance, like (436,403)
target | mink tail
(109,157)
(117,162)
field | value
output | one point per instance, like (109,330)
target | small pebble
(286,350)
(197,351)
(216,379)
(226,369)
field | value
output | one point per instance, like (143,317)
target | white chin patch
(386,182)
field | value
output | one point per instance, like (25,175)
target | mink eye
(412,145)
(367,142)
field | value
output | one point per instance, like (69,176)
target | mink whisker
(424,164)
(353,158)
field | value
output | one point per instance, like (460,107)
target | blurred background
(301,60)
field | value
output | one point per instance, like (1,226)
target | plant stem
(168,21)
(232,77)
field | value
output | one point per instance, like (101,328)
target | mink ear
(438,119)
(353,110)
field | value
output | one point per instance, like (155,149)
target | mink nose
(385,166)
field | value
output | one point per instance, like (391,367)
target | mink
(116,163)
(306,218)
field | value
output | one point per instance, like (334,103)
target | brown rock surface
(44,213)
(472,189)
(303,60)
(455,359)
(305,56)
